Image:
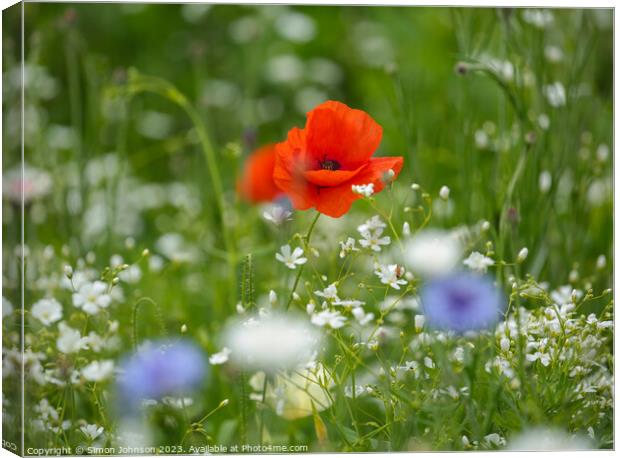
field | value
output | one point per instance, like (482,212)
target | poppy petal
(339,133)
(289,167)
(330,177)
(256,183)
(376,169)
(336,201)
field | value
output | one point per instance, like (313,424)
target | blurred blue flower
(462,302)
(163,368)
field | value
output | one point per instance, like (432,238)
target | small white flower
(556,94)
(132,274)
(539,18)
(429,362)
(419,321)
(330,293)
(277,215)
(370,225)
(291,260)
(156,263)
(93,341)
(481,138)
(444,192)
(543,121)
(544,358)
(68,270)
(504,344)
(220,357)
(478,262)
(47,311)
(69,339)
(273,298)
(494,439)
(406,229)
(116,260)
(522,256)
(91,297)
(334,320)
(98,370)
(411,366)
(545,181)
(347,247)
(92,432)
(391,275)
(362,317)
(601,262)
(352,303)
(310,307)
(373,240)
(602,152)
(459,354)
(554,54)
(365,190)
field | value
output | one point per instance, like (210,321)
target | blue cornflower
(462,302)
(164,368)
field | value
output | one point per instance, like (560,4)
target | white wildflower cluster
(558,341)
(364,190)
(372,234)
(333,312)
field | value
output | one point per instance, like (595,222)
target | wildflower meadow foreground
(249,233)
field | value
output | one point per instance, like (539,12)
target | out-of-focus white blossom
(271,342)
(98,371)
(548,439)
(47,311)
(432,253)
(220,357)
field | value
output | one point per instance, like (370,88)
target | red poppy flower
(256,183)
(316,166)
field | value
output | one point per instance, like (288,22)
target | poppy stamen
(329,164)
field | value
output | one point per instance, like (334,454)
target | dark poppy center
(329,164)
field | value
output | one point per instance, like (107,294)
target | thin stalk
(301,268)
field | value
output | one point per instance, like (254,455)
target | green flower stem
(301,268)
(142,83)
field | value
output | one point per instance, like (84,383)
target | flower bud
(415,187)
(273,297)
(183,329)
(406,229)
(485,226)
(145,252)
(68,271)
(522,256)
(419,322)
(601,262)
(461,68)
(573,276)
(444,192)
